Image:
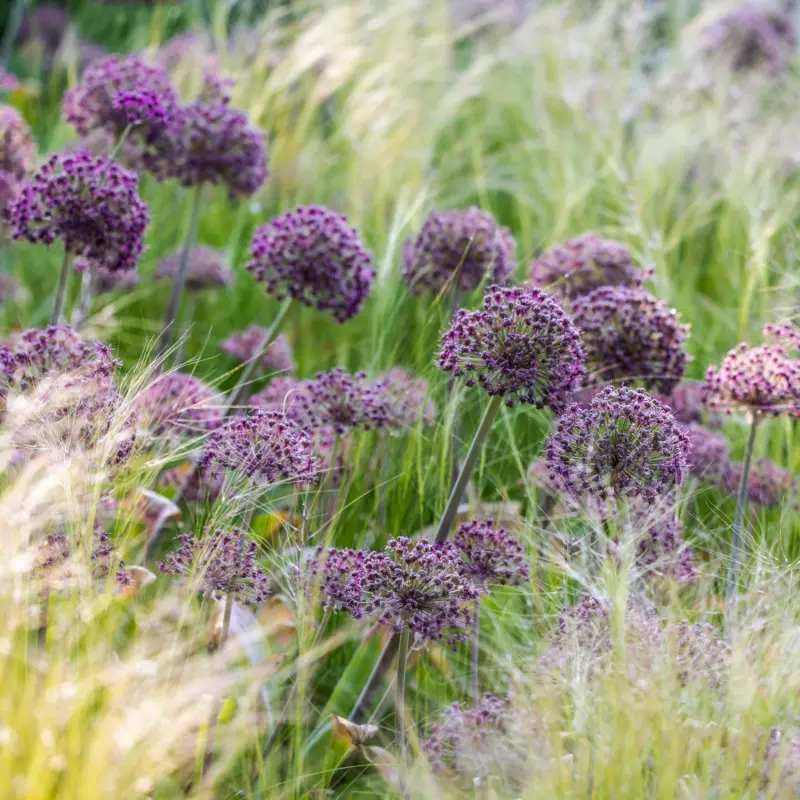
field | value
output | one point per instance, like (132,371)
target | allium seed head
(246,345)
(769,485)
(491,556)
(17,149)
(177,403)
(207,268)
(194,485)
(521,346)
(313,255)
(459,249)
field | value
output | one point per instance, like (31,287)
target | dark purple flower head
(708,451)
(418,586)
(313,255)
(661,550)
(583,264)
(7,81)
(224,561)
(768,486)
(760,380)
(459,249)
(91,204)
(624,444)
(17,149)
(491,556)
(520,346)
(140,106)
(248,344)
(264,447)
(630,337)
(687,401)
(407,397)
(207,268)
(338,576)
(177,403)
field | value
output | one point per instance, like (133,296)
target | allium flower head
(104,281)
(56,551)
(687,401)
(624,444)
(459,249)
(418,586)
(631,337)
(182,404)
(140,106)
(708,451)
(768,486)
(313,255)
(248,344)
(760,380)
(491,556)
(91,204)
(45,25)
(521,346)
(583,264)
(207,268)
(407,397)
(264,447)
(278,395)
(7,81)
(338,576)
(226,563)
(17,148)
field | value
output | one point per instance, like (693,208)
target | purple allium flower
(583,264)
(47,25)
(337,575)
(708,451)
(661,550)
(226,563)
(687,401)
(458,248)
(588,613)
(264,447)
(278,395)
(624,444)
(629,336)
(17,148)
(313,255)
(418,586)
(91,204)
(491,556)
(520,346)
(760,380)
(207,268)
(408,399)
(140,106)
(104,281)
(248,344)
(182,404)
(769,485)
(7,81)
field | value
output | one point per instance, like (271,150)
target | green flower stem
(476,651)
(226,619)
(402,668)
(121,141)
(84,299)
(61,288)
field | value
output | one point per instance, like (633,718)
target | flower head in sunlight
(491,556)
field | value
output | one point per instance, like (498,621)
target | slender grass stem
(476,651)
(226,619)
(61,288)
(402,667)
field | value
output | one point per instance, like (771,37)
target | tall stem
(738,519)
(402,667)
(374,681)
(226,619)
(476,652)
(61,288)
(84,299)
(121,141)
(167,334)
(467,469)
(188,316)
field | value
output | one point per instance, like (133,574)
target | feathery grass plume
(491,556)
(314,256)
(583,264)
(709,452)
(768,485)
(625,444)
(178,403)
(249,343)
(459,249)
(207,268)
(631,337)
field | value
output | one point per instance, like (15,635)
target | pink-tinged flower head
(418,586)
(177,403)
(521,346)
(264,447)
(491,556)
(90,204)
(768,486)
(624,444)
(407,399)
(225,562)
(630,337)
(761,380)
(140,106)
(459,249)
(313,255)
(583,264)
(708,451)
(7,81)
(17,149)
(246,345)
(207,268)
(338,576)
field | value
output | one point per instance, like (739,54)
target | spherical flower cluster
(631,337)
(460,249)
(520,346)
(140,106)
(687,401)
(624,444)
(708,451)
(760,380)
(583,264)
(662,552)
(91,204)
(7,81)
(177,403)
(337,575)
(246,345)
(17,148)
(264,447)
(313,255)
(768,486)
(225,562)
(207,268)
(407,398)
(491,556)
(418,586)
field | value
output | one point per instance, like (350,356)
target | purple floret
(338,577)
(768,486)
(491,556)
(140,106)
(708,452)
(17,149)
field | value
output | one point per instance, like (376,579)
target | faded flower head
(7,81)
(418,586)
(708,451)
(246,345)
(491,556)
(687,401)
(226,563)
(459,249)
(91,204)
(761,380)
(662,551)
(631,337)
(17,149)
(624,444)
(194,485)
(521,346)
(207,268)
(407,398)
(10,289)
(54,559)
(177,403)
(583,264)
(313,255)
(768,486)
(264,447)
(337,575)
